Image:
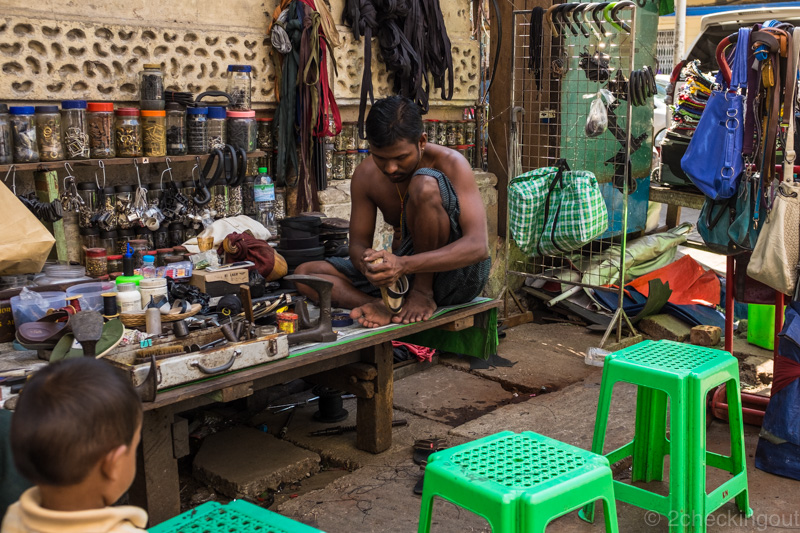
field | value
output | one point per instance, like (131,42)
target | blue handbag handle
(739,69)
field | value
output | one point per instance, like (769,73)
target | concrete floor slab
(245,462)
(561,347)
(341,451)
(567,415)
(449,396)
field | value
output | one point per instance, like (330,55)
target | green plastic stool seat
(684,374)
(238,515)
(517,481)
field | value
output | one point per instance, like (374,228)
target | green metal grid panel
(238,516)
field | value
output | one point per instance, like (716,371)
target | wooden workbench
(368,359)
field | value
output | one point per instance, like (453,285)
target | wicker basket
(132,320)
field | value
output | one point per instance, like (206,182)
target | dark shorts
(449,288)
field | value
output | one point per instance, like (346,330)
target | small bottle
(264,196)
(149,266)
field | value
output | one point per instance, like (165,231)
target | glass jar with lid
(350,163)
(177,234)
(161,237)
(219,200)
(151,82)
(176,129)
(124,236)
(452,133)
(216,128)
(23,134)
(239,86)
(235,202)
(115,264)
(155,191)
(350,133)
(432,130)
(146,235)
(128,132)
(100,120)
(242,130)
(154,133)
(90,238)
(469,132)
(124,194)
(75,129)
(48,133)
(96,262)
(6,144)
(441,133)
(88,193)
(108,240)
(338,170)
(248,197)
(105,216)
(264,142)
(196,133)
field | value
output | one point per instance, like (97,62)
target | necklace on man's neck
(402,204)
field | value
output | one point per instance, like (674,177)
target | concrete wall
(66,49)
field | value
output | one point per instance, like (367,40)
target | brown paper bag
(24,241)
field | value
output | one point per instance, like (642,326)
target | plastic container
(179,270)
(216,128)
(242,130)
(154,133)
(761,325)
(91,294)
(152,287)
(151,82)
(239,86)
(128,132)
(48,133)
(128,298)
(288,322)
(25,311)
(23,134)
(100,119)
(53,274)
(196,133)
(6,144)
(176,129)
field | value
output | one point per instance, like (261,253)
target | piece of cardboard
(220,283)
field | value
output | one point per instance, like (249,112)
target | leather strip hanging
(413,42)
(535,45)
(286,112)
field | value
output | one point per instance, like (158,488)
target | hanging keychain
(139,205)
(70,199)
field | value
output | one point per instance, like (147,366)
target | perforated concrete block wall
(53,51)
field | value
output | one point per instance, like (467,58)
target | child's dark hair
(69,415)
(392,119)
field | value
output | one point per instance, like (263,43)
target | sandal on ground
(423,449)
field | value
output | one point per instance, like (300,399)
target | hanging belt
(535,45)
(287,135)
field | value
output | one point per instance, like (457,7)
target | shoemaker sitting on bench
(429,195)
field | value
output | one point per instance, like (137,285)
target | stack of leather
(333,236)
(300,240)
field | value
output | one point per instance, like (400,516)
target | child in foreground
(74,435)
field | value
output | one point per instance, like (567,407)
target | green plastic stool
(685,374)
(517,481)
(238,515)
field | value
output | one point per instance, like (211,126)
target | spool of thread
(110,305)
(152,319)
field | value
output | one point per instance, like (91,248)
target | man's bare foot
(416,308)
(372,315)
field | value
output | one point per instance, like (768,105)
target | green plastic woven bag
(555,210)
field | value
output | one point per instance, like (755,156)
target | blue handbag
(713,160)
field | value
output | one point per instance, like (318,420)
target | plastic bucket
(30,311)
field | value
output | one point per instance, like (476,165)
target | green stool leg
(610,512)
(735,423)
(650,441)
(425,512)
(696,466)
(600,425)
(678,459)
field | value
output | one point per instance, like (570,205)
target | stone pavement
(549,390)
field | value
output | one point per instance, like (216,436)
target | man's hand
(382,268)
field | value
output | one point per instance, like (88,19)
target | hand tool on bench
(323,330)
(338,430)
(87,326)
